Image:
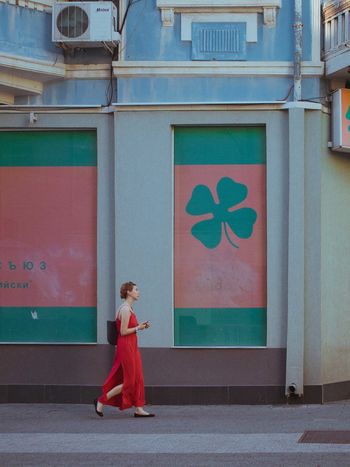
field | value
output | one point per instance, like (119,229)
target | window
(220,236)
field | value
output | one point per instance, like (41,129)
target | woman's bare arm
(124,315)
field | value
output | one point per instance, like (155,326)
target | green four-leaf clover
(240,221)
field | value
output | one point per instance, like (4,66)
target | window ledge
(170,7)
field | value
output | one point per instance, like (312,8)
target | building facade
(192,157)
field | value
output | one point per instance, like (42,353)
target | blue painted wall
(214,89)
(172,90)
(146,39)
(71,92)
(27,33)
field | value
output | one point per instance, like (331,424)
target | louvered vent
(218,41)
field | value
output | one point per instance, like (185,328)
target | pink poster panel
(48,236)
(224,276)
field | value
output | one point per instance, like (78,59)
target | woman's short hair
(125,288)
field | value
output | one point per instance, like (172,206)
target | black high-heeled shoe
(100,414)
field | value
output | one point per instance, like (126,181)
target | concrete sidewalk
(72,435)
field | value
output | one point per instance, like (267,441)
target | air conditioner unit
(85,24)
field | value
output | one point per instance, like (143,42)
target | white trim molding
(267,7)
(6,98)
(251,19)
(212,69)
(39,5)
(100,71)
(31,67)
(20,85)
(23,76)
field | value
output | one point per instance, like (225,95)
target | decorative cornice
(39,5)
(334,8)
(169,7)
(212,69)
(23,76)
(46,71)
(185,4)
(41,68)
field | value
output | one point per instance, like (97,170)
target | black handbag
(112,335)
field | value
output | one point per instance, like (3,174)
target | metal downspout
(296,258)
(298,47)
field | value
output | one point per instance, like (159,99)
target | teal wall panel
(220,327)
(48,324)
(224,145)
(48,148)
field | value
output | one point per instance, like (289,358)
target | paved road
(72,435)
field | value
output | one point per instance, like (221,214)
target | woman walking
(124,386)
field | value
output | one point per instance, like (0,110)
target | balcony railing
(336,16)
(336,46)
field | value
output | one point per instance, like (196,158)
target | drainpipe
(295,319)
(298,48)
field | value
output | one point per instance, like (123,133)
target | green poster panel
(48,222)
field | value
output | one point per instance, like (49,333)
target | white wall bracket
(270,17)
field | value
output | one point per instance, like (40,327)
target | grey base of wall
(74,374)
(178,395)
